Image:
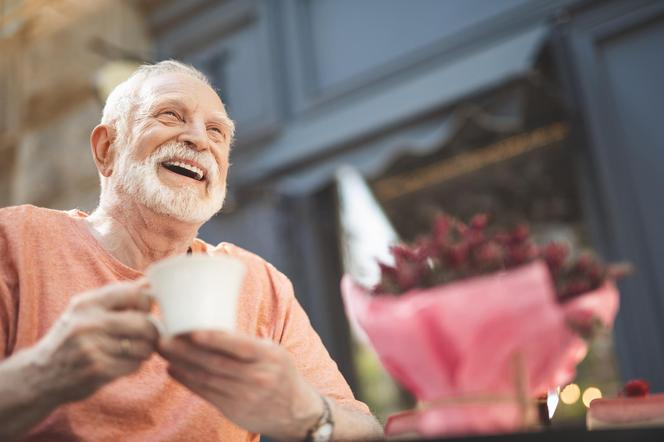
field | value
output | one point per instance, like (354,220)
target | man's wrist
(308,414)
(33,375)
(23,400)
(324,427)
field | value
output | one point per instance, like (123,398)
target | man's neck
(138,236)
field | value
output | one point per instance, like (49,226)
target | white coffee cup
(196,292)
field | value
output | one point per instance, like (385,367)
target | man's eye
(171,114)
(216,129)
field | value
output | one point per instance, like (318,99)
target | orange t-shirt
(46,256)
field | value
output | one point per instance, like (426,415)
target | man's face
(175,158)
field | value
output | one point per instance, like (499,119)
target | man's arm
(22,404)
(83,351)
(255,384)
(351,424)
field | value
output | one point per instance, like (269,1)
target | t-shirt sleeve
(7,301)
(295,333)
(6,319)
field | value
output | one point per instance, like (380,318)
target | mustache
(172,150)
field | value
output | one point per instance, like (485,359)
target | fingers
(119,296)
(124,348)
(129,324)
(240,347)
(225,373)
(200,383)
(134,349)
(181,352)
(108,367)
(95,361)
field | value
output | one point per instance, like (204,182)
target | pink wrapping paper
(460,340)
(601,305)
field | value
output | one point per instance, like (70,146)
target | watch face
(324,433)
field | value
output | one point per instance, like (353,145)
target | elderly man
(81,359)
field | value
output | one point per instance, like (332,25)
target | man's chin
(180,206)
(192,214)
(184,204)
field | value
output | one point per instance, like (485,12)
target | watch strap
(325,419)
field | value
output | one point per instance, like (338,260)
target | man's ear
(103,148)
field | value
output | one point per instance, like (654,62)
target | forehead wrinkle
(178,101)
(152,97)
(217,117)
(156,101)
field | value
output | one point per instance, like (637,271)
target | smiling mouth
(184,169)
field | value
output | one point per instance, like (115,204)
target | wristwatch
(322,430)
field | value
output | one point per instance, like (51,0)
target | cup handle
(158,324)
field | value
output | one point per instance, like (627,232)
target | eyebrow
(220,118)
(223,120)
(159,102)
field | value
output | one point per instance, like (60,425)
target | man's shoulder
(230,249)
(25,227)
(28,211)
(27,215)
(256,265)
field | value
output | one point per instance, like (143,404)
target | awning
(307,155)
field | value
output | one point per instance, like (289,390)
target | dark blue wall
(613,60)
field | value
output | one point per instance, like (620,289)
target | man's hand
(102,335)
(253,382)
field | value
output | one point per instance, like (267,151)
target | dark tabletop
(641,434)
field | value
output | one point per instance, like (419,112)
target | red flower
(424,249)
(636,388)
(584,263)
(456,255)
(479,221)
(454,250)
(409,275)
(441,228)
(555,255)
(489,256)
(574,288)
(402,253)
(520,233)
(502,238)
(522,253)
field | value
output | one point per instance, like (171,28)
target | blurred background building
(545,111)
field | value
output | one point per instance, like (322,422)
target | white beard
(141,182)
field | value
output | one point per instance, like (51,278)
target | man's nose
(195,135)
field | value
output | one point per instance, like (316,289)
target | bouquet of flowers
(477,321)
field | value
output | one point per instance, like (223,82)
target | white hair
(123,100)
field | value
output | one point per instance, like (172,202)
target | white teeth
(196,170)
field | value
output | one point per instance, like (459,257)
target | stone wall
(49,100)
